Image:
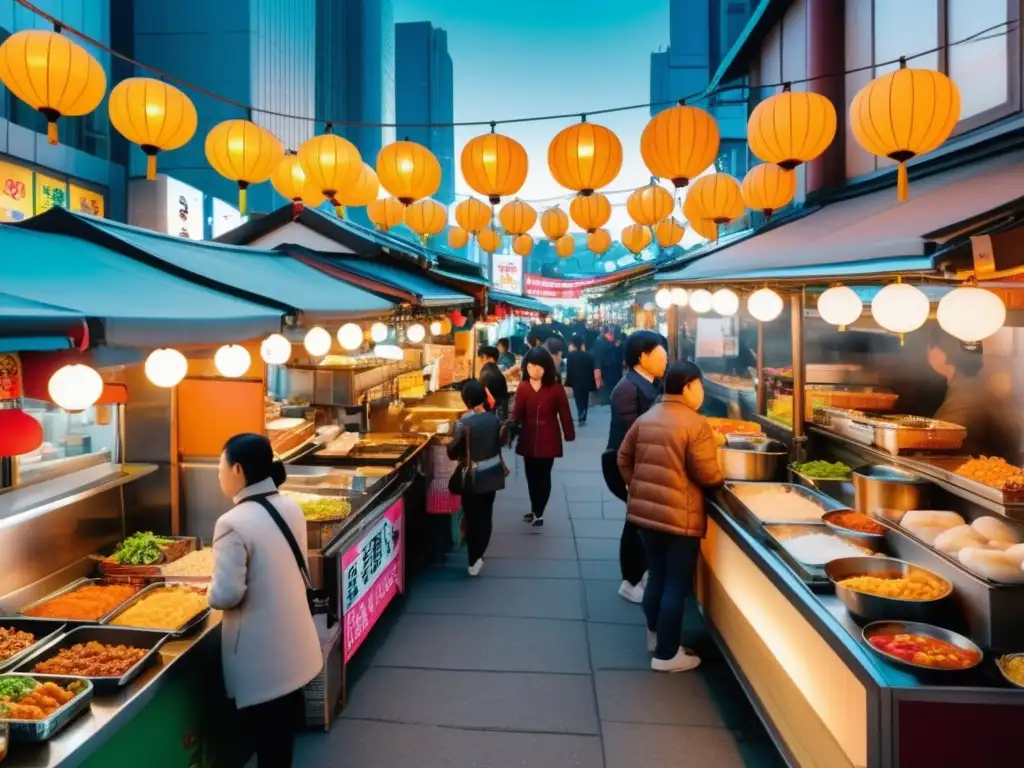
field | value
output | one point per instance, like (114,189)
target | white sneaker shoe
(475,568)
(631,593)
(652,640)
(681,662)
(643,581)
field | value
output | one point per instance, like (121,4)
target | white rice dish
(820,548)
(778,505)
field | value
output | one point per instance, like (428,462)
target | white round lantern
(663,298)
(700,301)
(415,333)
(166,367)
(232,361)
(75,387)
(725,302)
(317,342)
(971,314)
(378,332)
(900,308)
(350,336)
(840,306)
(435,328)
(764,304)
(388,352)
(680,297)
(276,349)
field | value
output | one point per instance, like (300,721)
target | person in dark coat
(602,349)
(541,412)
(632,397)
(494,380)
(505,357)
(579,376)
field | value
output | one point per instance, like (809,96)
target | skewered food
(916,586)
(92,659)
(22,698)
(169,608)
(89,602)
(992,564)
(994,530)
(993,471)
(823,470)
(198,563)
(13,642)
(925,651)
(856,521)
(140,549)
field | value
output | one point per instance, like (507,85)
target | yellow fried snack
(169,608)
(917,586)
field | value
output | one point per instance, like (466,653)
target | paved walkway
(538,662)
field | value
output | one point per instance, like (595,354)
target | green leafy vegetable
(325,508)
(15,688)
(140,549)
(823,470)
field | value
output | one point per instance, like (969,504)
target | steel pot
(754,460)
(868,607)
(887,492)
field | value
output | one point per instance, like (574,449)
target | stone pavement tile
(554,524)
(597,529)
(601,569)
(585,510)
(589,490)
(655,698)
(598,549)
(536,546)
(605,605)
(614,509)
(389,745)
(488,643)
(628,745)
(515,568)
(730,700)
(617,646)
(529,598)
(497,700)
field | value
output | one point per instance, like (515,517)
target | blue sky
(531,57)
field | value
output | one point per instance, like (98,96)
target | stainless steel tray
(42,730)
(51,629)
(152,640)
(187,627)
(826,503)
(71,588)
(813,576)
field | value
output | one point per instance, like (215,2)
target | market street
(538,662)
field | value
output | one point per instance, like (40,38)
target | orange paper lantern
(457,238)
(332,164)
(650,204)
(703,227)
(679,144)
(494,166)
(554,223)
(636,237)
(768,187)
(564,246)
(288,178)
(409,171)
(585,157)
(473,215)
(386,213)
(245,153)
(523,245)
(362,191)
(517,217)
(668,232)
(599,241)
(590,212)
(426,217)
(153,114)
(791,128)
(717,197)
(489,239)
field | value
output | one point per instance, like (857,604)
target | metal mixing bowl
(873,541)
(752,459)
(868,607)
(917,628)
(1006,677)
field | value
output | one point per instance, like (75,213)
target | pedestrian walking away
(541,417)
(476,444)
(667,459)
(579,376)
(494,382)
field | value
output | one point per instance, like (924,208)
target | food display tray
(151,640)
(44,630)
(71,588)
(811,575)
(184,629)
(26,731)
(895,434)
(826,503)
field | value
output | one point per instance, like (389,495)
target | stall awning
(35,326)
(140,305)
(519,302)
(414,283)
(871,234)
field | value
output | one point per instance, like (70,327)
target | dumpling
(993,529)
(954,539)
(992,564)
(929,533)
(920,518)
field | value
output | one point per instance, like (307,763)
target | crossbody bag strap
(300,559)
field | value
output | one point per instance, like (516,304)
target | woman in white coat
(269,643)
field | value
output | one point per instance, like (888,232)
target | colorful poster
(86,201)
(371,577)
(15,192)
(507,273)
(50,192)
(559,288)
(184,209)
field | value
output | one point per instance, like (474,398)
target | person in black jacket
(634,394)
(483,431)
(494,380)
(579,376)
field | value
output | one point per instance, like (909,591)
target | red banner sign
(556,288)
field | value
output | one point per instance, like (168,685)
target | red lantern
(19,432)
(458,319)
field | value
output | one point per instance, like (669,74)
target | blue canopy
(429,293)
(519,302)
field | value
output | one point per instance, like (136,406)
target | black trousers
(632,557)
(582,398)
(271,727)
(479,512)
(538,481)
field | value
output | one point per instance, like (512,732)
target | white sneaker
(681,662)
(643,581)
(475,568)
(652,640)
(631,593)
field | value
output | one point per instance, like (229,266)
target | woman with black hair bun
(269,644)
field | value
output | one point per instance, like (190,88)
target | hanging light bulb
(275,349)
(317,342)
(900,308)
(700,301)
(388,352)
(663,298)
(415,333)
(840,306)
(764,305)
(232,360)
(725,302)
(75,387)
(378,332)
(166,367)
(970,313)
(680,297)
(350,336)
(435,328)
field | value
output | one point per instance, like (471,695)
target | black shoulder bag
(317,598)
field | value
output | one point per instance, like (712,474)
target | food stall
(861,571)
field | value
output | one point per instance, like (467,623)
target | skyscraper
(424,94)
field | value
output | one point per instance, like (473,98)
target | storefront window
(984,63)
(68,435)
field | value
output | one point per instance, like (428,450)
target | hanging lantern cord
(583,117)
(329,127)
(787,87)
(493,126)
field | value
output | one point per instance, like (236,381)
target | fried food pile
(26,699)
(90,602)
(13,642)
(92,659)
